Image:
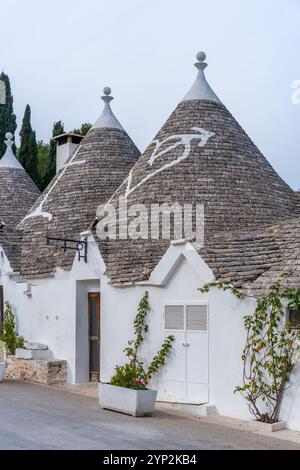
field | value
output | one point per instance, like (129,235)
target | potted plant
(128,390)
(2,359)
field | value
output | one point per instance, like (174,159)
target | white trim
(172,258)
(187,302)
(182,241)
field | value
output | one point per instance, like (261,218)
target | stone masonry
(43,372)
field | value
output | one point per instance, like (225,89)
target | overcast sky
(60,54)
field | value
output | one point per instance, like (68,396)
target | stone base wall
(33,371)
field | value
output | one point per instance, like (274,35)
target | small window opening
(294,317)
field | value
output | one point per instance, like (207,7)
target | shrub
(9,335)
(133,374)
(271,350)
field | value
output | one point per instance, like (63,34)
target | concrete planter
(125,400)
(2,368)
(266,427)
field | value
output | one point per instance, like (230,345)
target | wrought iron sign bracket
(80,246)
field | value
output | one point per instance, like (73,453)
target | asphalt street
(40,418)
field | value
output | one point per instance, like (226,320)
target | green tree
(84,129)
(58,128)
(42,164)
(28,150)
(8,121)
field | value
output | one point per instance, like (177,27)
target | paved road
(36,417)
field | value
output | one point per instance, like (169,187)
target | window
(174,317)
(196,317)
(186,317)
(294,317)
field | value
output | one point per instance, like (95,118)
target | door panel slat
(196,317)
(174,317)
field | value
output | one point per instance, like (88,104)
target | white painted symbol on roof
(180,139)
(38,212)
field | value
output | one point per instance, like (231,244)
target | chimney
(66,145)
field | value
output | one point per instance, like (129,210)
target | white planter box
(125,400)
(2,368)
(266,427)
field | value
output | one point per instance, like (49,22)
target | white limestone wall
(226,336)
(53,313)
(290,409)
(48,316)
(52,316)
(63,152)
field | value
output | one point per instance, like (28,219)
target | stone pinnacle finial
(107,92)
(201,64)
(9,160)
(9,142)
(200,90)
(107,118)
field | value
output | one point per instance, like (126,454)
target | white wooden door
(186,374)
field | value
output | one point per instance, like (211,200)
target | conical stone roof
(201,155)
(297,196)
(68,206)
(17,194)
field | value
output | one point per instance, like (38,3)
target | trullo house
(249,221)
(251,235)
(52,299)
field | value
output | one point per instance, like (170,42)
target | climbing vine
(133,374)
(271,349)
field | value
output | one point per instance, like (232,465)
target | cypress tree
(28,152)
(8,121)
(43,163)
(58,128)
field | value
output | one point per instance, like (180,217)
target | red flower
(141,382)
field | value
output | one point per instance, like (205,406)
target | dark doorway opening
(94,336)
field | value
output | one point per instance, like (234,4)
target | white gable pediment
(177,253)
